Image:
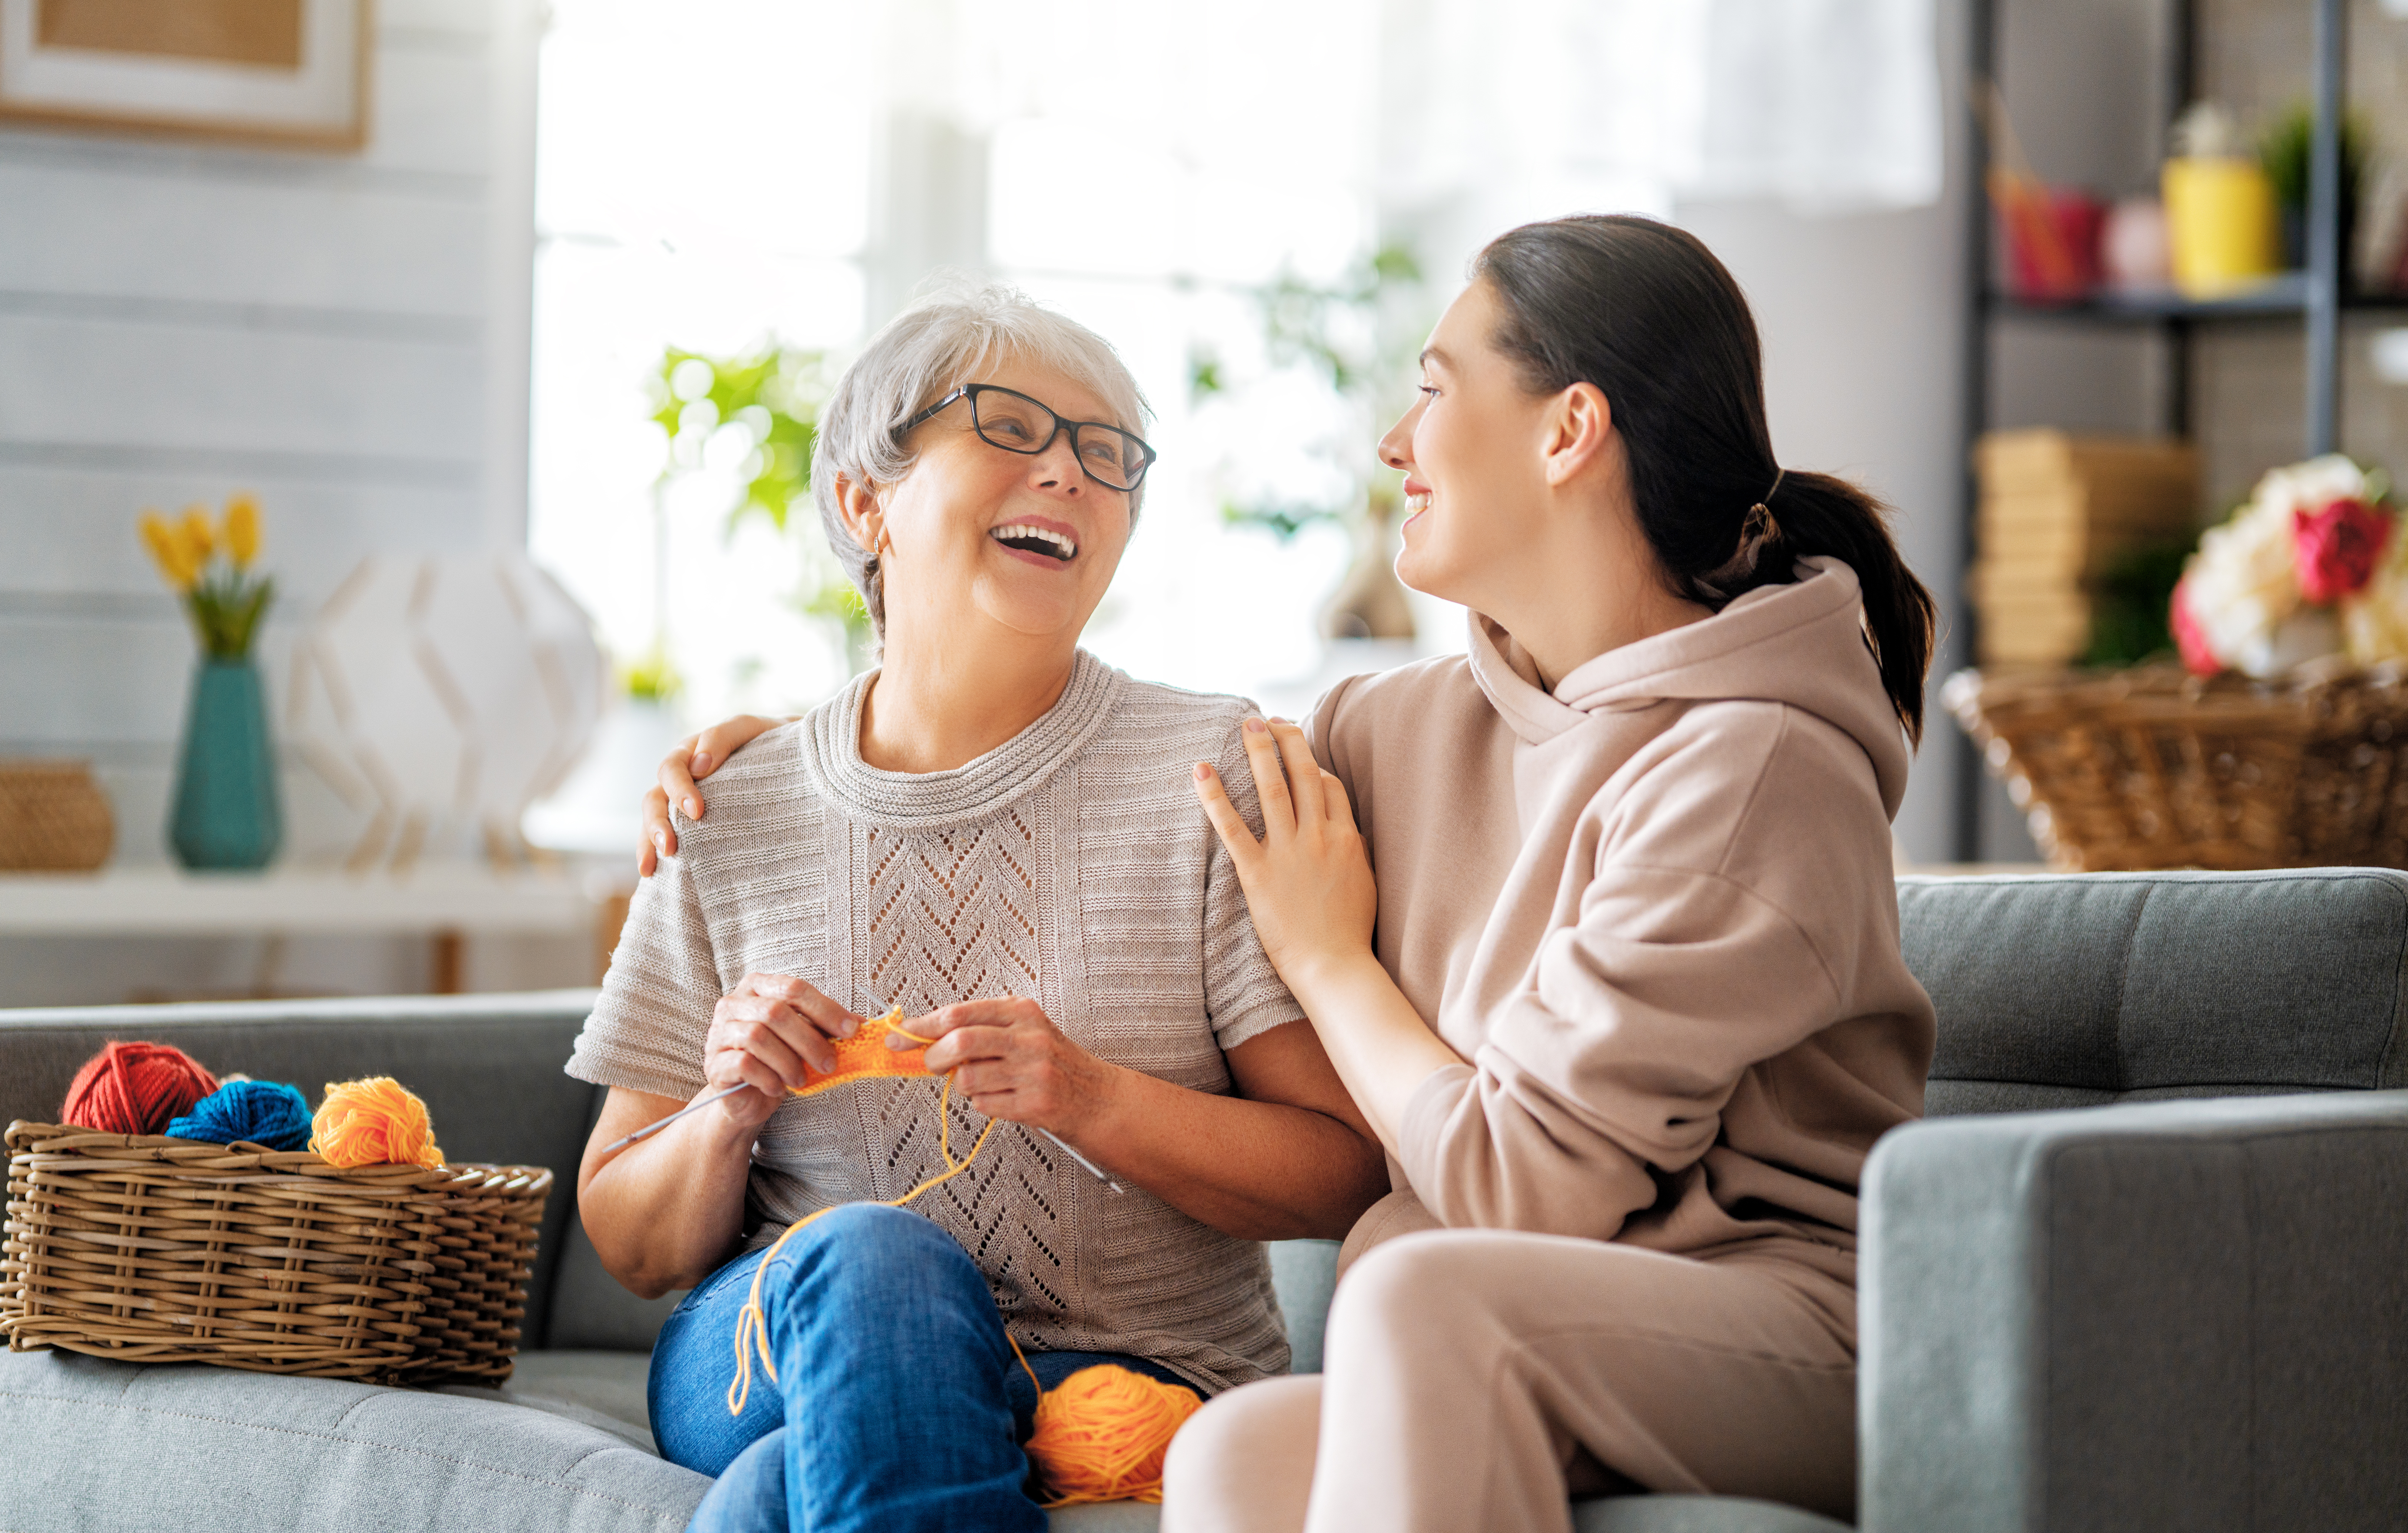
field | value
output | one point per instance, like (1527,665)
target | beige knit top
(1071,865)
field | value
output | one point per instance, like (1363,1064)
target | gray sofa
(2146,1313)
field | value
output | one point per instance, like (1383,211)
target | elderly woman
(994,833)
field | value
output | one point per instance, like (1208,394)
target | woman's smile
(1039,540)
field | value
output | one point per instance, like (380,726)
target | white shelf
(433,899)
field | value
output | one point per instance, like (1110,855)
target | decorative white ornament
(445,696)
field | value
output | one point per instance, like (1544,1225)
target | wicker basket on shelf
(54,818)
(2153,767)
(152,1250)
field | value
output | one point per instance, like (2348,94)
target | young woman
(1618,985)
(993,832)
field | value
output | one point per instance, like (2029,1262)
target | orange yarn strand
(374,1122)
(752,1325)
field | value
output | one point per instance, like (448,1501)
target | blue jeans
(897,1406)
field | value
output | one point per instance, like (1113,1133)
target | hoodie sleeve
(1685,966)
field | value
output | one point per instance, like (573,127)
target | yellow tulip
(167,551)
(242,530)
(195,533)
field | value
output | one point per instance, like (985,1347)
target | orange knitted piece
(375,1122)
(865,1054)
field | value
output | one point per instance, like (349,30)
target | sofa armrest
(2179,1314)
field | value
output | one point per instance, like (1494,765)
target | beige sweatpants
(1466,1370)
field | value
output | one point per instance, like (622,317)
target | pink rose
(2334,549)
(2189,637)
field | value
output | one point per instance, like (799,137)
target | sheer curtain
(1507,110)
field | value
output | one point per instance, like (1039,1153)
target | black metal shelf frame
(2314,297)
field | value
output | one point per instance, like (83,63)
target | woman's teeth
(1036,540)
(1416,505)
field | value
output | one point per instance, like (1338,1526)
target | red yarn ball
(135,1088)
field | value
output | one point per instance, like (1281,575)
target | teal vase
(226,810)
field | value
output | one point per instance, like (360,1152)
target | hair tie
(1756,530)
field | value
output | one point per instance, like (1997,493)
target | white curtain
(1537,107)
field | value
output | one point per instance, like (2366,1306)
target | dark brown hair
(1644,312)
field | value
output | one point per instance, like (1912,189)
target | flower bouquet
(2310,567)
(2282,738)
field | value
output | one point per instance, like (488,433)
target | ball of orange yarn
(1102,1434)
(375,1122)
(135,1088)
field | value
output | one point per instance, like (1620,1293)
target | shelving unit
(2314,297)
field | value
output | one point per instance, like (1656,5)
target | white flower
(2241,583)
(2309,486)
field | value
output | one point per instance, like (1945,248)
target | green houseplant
(1356,337)
(772,393)
(2284,151)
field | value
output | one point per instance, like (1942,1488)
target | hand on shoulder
(696,757)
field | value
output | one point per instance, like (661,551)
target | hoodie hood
(1801,645)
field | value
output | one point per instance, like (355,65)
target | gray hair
(945,339)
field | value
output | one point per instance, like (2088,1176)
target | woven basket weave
(2153,769)
(54,817)
(152,1250)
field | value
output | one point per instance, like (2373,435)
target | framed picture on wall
(289,72)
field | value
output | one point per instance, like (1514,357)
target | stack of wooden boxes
(2057,511)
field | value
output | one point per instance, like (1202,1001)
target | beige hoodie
(1655,912)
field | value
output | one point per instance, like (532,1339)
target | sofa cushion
(97,1446)
(2077,990)
(1696,1514)
(1610,1514)
(604,1389)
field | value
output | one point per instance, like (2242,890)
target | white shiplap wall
(346,334)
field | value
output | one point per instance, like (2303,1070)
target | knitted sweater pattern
(1071,865)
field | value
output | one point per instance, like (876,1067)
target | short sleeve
(649,1024)
(1243,994)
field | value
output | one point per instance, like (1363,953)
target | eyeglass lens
(1020,424)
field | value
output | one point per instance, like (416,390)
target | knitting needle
(649,1129)
(1082,1160)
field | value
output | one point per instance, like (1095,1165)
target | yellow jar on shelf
(2225,232)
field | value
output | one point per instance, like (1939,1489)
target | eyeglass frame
(1061,423)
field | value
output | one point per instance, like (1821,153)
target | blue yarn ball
(248,1112)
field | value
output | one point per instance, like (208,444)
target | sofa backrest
(2072,990)
(488,1067)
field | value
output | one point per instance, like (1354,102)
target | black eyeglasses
(1008,419)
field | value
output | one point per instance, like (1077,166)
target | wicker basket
(152,1250)
(2152,768)
(54,818)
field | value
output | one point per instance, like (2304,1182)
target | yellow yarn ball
(1102,1434)
(375,1122)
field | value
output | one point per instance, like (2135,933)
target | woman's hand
(762,1032)
(1307,881)
(1008,1061)
(696,757)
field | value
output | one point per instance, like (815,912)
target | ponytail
(1821,514)
(1644,312)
